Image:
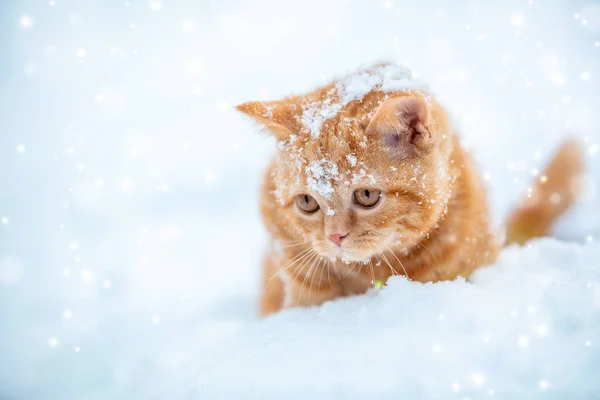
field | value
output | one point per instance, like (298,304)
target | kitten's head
(361,165)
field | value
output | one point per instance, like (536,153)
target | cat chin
(346,256)
(362,258)
(356,254)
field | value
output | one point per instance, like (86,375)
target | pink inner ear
(401,122)
(392,140)
(411,111)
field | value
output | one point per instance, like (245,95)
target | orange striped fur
(432,221)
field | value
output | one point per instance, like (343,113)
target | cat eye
(367,197)
(307,203)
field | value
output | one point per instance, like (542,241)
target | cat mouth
(366,252)
(354,252)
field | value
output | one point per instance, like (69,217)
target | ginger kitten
(369,180)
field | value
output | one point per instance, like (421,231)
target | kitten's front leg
(273,289)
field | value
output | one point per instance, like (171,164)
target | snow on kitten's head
(361,166)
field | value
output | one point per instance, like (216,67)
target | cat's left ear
(402,123)
(274,116)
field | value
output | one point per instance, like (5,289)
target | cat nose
(337,238)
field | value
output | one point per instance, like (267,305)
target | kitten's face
(352,201)
(357,223)
(373,176)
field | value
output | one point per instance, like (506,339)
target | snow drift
(130,241)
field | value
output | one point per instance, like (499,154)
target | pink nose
(337,238)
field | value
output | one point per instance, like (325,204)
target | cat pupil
(367,193)
(306,199)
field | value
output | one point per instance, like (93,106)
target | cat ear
(274,116)
(402,123)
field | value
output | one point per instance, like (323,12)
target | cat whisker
(301,270)
(350,270)
(381,252)
(290,241)
(386,260)
(372,272)
(397,259)
(319,259)
(434,255)
(354,265)
(328,275)
(422,245)
(295,244)
(382,260)
(305,253)
(304,264)
(298,255)
(308,273)
(325,267)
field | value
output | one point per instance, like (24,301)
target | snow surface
(528,320)
(130,240)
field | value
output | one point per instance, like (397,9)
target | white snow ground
(130,241)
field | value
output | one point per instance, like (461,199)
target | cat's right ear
(273,116)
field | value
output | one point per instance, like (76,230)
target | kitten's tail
(551,195)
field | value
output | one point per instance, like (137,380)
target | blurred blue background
(130,240)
